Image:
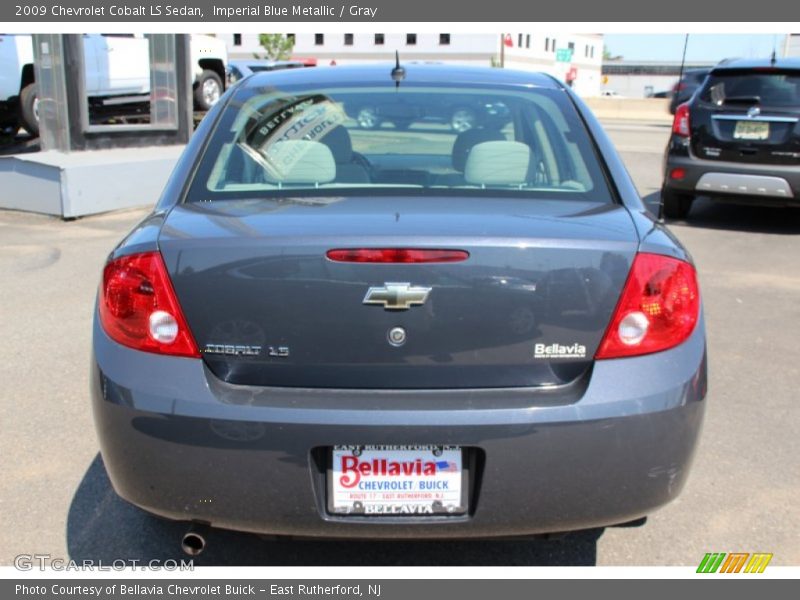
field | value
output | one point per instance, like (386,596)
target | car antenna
(660,215)
(773,59)
(683,62)
(398,73)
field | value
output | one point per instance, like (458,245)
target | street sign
(564,55)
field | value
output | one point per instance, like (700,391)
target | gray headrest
(301,161)
(498,163)
(338,140)
(466,141)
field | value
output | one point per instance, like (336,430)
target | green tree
(276,45)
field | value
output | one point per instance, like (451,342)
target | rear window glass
(409,140)
(698,76)
(766,89)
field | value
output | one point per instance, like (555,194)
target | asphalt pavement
(741,496)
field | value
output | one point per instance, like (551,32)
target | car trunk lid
(528,307)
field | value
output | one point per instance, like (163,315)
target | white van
(117,74)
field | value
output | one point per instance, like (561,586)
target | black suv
(686,87)
(737,139)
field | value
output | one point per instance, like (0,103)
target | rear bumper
(179,443)
(759,184)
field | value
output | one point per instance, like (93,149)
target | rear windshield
(697,76)
(765,89)
(431,140)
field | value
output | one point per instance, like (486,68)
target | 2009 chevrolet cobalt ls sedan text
(399,332)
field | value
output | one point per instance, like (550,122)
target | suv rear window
(415,140)
(773,89)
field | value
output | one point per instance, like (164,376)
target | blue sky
(702,47)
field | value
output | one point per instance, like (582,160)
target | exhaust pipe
(194,540)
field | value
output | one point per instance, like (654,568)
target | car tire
(28,108)
(676,205)
(208,91)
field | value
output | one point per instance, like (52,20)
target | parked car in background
(445,109)
(692,79)
(738,138)
(240,68)
(117,77)
(325,330)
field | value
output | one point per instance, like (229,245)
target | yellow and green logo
(734,562)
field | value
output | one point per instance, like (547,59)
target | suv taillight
(680,125)
(139,309)
(658,309)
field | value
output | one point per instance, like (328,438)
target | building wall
(793,44)
(473,49)
(636,86)
(640,79)
(537,52)
(528,52)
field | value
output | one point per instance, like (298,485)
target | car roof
(739,64)
(416,73)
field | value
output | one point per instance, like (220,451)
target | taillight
(678,173)
(680,125)
(658,309)
(139,309)
(396,255)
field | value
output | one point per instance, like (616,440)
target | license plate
(397,480)
(751,130)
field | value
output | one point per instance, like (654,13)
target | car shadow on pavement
(103,527)
(708,214)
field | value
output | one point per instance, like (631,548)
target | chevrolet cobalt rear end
(400,332)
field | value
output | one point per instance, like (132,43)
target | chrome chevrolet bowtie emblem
(397,296)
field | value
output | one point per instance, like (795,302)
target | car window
(414,140)
(699,76)
(766,89)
